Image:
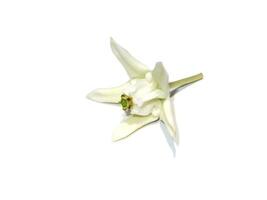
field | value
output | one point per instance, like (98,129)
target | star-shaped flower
(145,97)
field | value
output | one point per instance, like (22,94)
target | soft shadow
(168,138)
(173,92)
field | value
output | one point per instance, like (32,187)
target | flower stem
(186,81)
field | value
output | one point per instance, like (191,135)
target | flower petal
(133,67)
(130,125)
(161,77)
(108,95)
(153,95)
(168,118)
(146,108)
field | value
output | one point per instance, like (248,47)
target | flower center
(126,102)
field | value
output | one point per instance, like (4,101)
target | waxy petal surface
(160,75)
(108,95)
(168,118)
(130,125)
(133,67)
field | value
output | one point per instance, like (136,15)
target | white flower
(145,97)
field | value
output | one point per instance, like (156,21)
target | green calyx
(126,102)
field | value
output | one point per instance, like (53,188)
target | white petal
(147,108)
(148,76)
(130,125)
(156,111)
(161,77)
(143,87)
(133,67)
(108,95)
(168,118)
(154,95)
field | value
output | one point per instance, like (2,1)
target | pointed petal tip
(161,76)
(133,67)
(159,63)
(115,138)
(117,135)
(93,96)
(90,95)
(173,134)
(112,42)
(172,131)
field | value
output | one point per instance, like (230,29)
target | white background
(56,144)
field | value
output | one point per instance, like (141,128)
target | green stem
(183,82)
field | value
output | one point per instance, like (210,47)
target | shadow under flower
(168,138)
